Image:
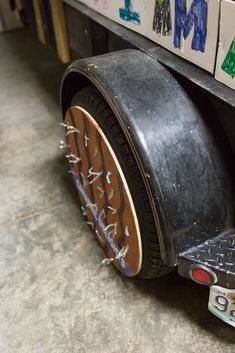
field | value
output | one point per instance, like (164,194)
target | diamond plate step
(218,254)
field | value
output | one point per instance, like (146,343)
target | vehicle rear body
(182,134)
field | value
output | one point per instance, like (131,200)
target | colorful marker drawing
(162,17)
(184,22)
(228,65)
(127,13)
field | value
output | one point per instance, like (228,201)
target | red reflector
(202,276)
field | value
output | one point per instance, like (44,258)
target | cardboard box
(51,26)
(39,21)
(225,66)
(60,30)
(188,28)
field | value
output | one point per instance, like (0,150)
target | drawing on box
(228,65)
(127,13)
(196,17)
(102,3)
(162,17)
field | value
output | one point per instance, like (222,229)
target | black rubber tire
(91,100)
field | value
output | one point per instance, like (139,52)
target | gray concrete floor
(54,297)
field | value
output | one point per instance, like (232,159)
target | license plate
(222,303)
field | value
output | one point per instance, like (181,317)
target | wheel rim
(103,190)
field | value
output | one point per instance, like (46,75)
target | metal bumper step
(217,254)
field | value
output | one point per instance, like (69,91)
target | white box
(195,20)
(225,66)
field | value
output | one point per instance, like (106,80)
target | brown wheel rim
(103,190)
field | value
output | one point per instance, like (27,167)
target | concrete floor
(54,297)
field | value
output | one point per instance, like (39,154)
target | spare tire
(111,190)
